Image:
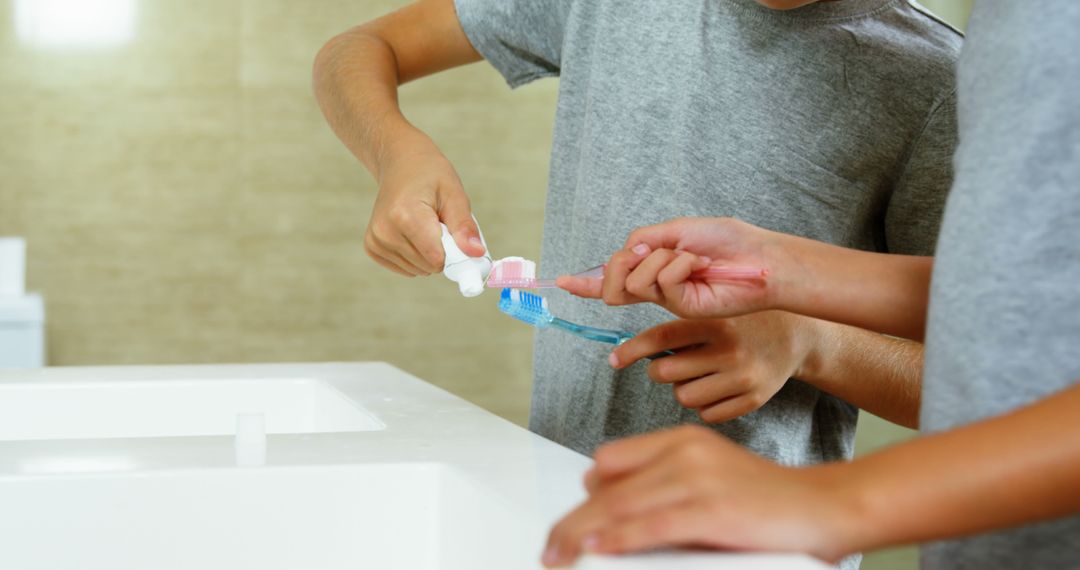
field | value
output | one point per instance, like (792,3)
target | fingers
(643,275)
(677,524)
(424,243)
(388,265)
(615,271)
(709,390)
(654,486)
(407,238)
(454,211)
(662,482)
(667,336)
(689,365)
(732,408)
(617,458)
(587,287)
(388,258)
(641,282)
(402,253)
(659,236)
(672,278)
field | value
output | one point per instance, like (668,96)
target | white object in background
(22,316)
(22,332)
(74,23)
(12,266)
(468,272)
(250,443)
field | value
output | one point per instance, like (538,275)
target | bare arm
(877,291)
(1012,470)
(877,373)
(725,368)
(880,292)
(356,78)
(357,73)
(690,486)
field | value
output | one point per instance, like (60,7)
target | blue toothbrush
(533,309)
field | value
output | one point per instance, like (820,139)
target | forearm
(356,84)
(1007,471)
(879,292)
(357,74)
(877,373)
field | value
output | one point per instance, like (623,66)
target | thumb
(455,212)
(590,288)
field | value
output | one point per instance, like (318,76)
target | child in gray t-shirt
(833,121)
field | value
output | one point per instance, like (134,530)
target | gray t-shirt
(1004,324)
(835,121)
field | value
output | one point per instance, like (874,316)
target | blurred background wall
(184,202)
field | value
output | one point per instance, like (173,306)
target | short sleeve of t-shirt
(918,199)
(522,39)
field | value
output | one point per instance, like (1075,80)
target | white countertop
(424,480)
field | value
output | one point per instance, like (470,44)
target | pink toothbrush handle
(714,273)
(711,273)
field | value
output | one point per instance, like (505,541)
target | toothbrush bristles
(525,307)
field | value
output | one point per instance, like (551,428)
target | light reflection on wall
(74,23)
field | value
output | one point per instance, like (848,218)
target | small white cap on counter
(250,441)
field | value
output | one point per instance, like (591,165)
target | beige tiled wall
(184,201)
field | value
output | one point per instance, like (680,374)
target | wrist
(818,348)
(847,518)
(788,273)
(397,139)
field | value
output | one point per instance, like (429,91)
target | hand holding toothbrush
(726,368)
(670,263)
(694,267)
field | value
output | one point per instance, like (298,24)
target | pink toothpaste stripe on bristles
(513,272)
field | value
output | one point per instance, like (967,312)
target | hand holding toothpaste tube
(418,188)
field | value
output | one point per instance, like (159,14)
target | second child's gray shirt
(835,121)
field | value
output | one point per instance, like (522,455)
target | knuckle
(556,534)
(754,400)
(636,286)
(665,336)
(603,456)
(743,382)
(399,215)
(693,454)
(619,504)
(656,372)
(666,280)
(685,399)
(378,231)
(692,432)
(709,415)
(619,259)
(660,524)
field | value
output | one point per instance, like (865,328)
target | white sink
(169,408)
(366,468)
(404,516)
